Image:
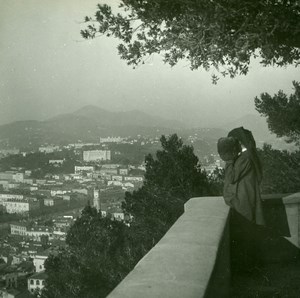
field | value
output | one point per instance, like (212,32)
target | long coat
(241,188)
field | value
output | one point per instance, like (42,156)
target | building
(96,199)
(48,149)
(18,177)
(14,293)
(18,229)
(58,192)
(39,261)
(117,215)
(108,172)
(13,186)
(110,166)
(134,178)
(28,181)
(111,140)
(117,178)
(79,169)
(8,175)
(5,196)
(4,184)
(56,161)
(40,181)
(36,282)
(80,190)
(20,205)
(35,233)
(123,171)
(96,155)
(114,183)
(6,152)
(49,202)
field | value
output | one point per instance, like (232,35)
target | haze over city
(47,69)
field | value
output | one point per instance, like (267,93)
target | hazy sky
(46,69)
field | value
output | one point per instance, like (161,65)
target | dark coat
(241,188)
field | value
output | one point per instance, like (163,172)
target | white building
(117,177)
(49,202)
(96,199)
(36,282)
(20,206)
(18,177)
(18,229)
(58,192)
(5,196)
(110,166)
(95,155)
(134,178)
(79,169)
(39,261)
(48,149)
(56,161)
(123,171)
(114,183)
(111,140)
(118,215)
(36,233)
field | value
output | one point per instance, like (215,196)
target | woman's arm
(236,170)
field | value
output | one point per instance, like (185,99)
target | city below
(42,192)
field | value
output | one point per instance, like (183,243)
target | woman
(243,174)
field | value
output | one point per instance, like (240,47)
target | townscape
(38,207)
(149,149)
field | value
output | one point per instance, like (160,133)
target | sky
(47,68)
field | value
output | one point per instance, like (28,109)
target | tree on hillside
(282,113)
(172,177)
(97,258)
(281,171)
(211,34)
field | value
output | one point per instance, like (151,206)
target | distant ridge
(90,123)
(128,118)
(86,124)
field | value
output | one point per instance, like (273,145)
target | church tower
(96,199)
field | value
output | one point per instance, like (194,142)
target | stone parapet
(292,208)
(192,260)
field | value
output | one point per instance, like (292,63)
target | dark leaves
(210,34)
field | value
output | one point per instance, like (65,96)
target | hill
(86,124)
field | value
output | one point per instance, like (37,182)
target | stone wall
(191,260)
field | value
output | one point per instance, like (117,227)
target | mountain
(128,118)
(86,124)
(90,123)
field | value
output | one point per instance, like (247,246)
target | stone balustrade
(292,208)
(191,260)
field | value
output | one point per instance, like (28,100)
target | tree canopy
(282,113)
(216,34)
(97,258)
(281,171)
(172,177)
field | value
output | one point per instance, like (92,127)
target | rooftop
(39,275)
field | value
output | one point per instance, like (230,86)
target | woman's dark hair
(229,148)
(246,138)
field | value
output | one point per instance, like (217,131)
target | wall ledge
(182,263)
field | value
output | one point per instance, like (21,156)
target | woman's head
(228,148)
